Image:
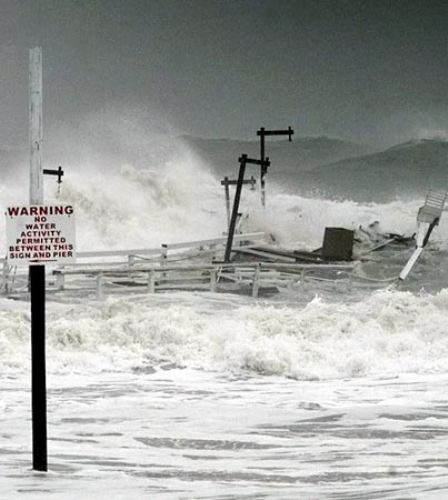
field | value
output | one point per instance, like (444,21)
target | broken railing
(109,259)
(235,276)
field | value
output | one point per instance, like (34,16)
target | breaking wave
(134,184)
(386,334)
(144,208)
(140,208)
(137,205)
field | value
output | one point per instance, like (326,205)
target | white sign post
(40,234)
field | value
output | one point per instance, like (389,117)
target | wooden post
(256,283)
(213,279)
(151,281)
(163,254)
(99,286)
(37,272)
(236,204)
(244,160)
(226,182)
(35,133)
(60,281)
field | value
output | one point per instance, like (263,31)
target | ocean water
(323,393)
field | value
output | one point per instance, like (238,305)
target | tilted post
(243,160)
(226,182)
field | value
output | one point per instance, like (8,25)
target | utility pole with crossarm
(244,160)
(262,133)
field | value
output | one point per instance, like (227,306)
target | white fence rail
(132,257)
(172,267)
(226,276)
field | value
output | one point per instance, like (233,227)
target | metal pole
(37,272)
(262,169)
(38,368)
(236,204)
(227,191)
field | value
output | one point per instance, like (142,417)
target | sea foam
(386,334)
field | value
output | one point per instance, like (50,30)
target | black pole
(262,133)
(263,169)
(236,204)
(226,187)
(433,224)
(38,369)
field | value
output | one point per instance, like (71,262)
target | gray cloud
(370,71)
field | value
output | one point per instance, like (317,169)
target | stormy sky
(372,71)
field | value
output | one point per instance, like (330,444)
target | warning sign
(40,233)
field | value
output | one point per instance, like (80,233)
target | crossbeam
(254,161)
(59,173)
(233,182)
(263,132)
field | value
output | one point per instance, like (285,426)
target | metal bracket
(59,172)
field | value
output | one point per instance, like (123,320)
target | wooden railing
(214,276)
(132,257)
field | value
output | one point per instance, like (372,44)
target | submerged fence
(192,265)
